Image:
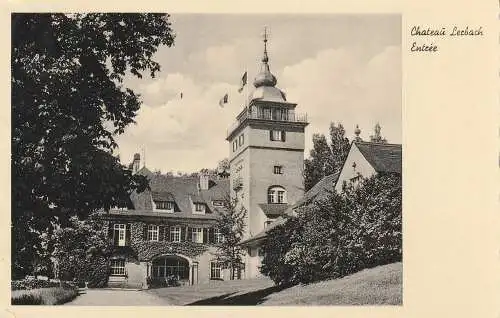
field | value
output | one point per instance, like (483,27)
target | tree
(377,137)
(68,105)
(231,225)
(81,251)
(223,168)
(339,144)
(325,158)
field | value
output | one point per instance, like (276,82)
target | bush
(32,284)
(338,235)
(162,282)
(43,296)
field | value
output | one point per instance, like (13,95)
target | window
(199,208)
(277,135)
(197,235)
(235,145)
(117,267)
(278,170)
(164,205)
(175,234)
(217,236)
(119,234)
(241,140)
(215,270)
(218,203)
(267,223)
(153,232)
(276,195)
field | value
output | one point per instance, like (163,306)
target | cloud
(182,134)
(342,85)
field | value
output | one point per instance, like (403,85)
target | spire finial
(265,58)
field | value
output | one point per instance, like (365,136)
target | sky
(337,68)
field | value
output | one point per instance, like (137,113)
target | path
(107,297)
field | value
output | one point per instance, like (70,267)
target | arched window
(276,194)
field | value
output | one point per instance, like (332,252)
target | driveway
(112,297)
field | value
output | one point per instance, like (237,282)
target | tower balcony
(283,117)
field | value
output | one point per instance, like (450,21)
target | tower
(266,146)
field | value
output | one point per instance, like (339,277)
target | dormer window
(165,205)
(199,208)
(218,203)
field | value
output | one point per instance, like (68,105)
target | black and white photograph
(177,159)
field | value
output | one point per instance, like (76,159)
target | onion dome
(265,77)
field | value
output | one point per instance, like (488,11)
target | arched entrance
(170,265)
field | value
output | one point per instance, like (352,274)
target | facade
(266,146)
(169,230)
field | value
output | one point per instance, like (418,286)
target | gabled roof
(382,157)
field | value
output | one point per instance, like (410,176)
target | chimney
(136,163)
(204,180)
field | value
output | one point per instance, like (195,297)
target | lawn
(376,286)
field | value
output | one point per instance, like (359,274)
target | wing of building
(169,229)
(364,160)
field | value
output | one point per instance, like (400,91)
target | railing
(278,117)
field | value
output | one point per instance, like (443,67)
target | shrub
(43,296)
(32,284)
(338,235)
(161,282)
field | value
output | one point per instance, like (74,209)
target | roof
(382,157)
(184,191)
(273,210)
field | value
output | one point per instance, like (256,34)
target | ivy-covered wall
(146,250)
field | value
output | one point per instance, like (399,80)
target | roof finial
(265,58)
(357,132)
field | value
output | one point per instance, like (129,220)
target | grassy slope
(376,286)
(379,285)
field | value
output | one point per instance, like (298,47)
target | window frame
(175,230)
(241,140)
(273,195)
(198,232)
(277,135)
(215,267)
(152,230)
(278,169)
(117,270)
(202,207)
(122,229)
(164,206)
(218,237)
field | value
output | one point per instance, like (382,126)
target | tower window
(277,135)
(276,194)
(235,145)
(241,140)
(278,170)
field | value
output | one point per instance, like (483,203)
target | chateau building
(170,229)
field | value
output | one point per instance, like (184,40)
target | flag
(243,82)
(223,100)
